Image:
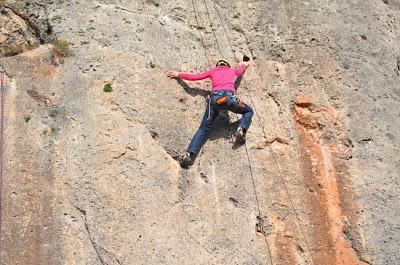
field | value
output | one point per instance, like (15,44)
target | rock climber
(223,97)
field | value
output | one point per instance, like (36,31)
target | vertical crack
(276,102)
(97,248)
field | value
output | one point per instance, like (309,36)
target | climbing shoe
(187,160)
(240,135)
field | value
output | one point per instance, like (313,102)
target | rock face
(91,177)
(15,35)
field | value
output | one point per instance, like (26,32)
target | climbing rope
(1,148)
(299,222)
(212,29)
(259,217)
(201,35)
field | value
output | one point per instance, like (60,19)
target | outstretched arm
(189,76)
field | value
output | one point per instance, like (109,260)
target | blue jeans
(212,110)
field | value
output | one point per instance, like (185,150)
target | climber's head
(222,62)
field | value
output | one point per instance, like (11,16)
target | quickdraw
(222,100)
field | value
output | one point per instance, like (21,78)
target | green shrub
(27,118)
(54,130)
(386,1)
(53,114)
(152,65)
(62,47)
(107,87)
(31,46)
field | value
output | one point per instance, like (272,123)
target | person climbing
(223,97)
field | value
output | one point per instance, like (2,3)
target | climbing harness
(219,97)
(222,100)
(216,98)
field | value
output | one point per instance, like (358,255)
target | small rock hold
(302,101)
(299,248)
(234,201)
(366,140)
(154,135)
(204,178)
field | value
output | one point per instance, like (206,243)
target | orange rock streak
(321,175)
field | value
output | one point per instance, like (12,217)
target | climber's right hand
(246,60)
(173,74)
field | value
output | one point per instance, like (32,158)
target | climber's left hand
(173,74)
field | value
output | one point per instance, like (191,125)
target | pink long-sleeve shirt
(222,77)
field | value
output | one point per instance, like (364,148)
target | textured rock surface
(15,36)
(90,177)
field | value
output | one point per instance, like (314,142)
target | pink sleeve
(240,70)
(193,77)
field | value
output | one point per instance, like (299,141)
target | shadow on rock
(222,127)
(192,90)
(238,82)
